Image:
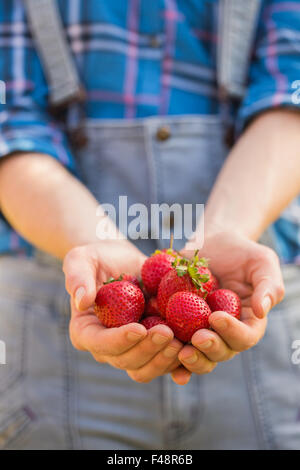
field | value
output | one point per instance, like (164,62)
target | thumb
(80,278)
(268,284)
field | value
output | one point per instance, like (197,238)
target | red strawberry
(119,303)
(225,300)
(215,283)
(187,313)
(212,282)
(154,269)
(128,277)
(151,308)
(125,277)
(149,322)
(185,276)
(169,285)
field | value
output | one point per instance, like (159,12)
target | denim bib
(168,160)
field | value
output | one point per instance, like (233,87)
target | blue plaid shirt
(140,58)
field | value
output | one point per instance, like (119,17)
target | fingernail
(192,359)
(134,337)
(79,294)
(266,304)
(170,352)
(221,323)
(206,345)
(159,339)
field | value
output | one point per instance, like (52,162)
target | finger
(211,344)
(87,333)
(238,335)
(181,376)
(159,365)
(175,364)
(80,275)
(267,284)
(195,361)
(157,339)
(241,288)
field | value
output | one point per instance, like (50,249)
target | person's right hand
(144,354)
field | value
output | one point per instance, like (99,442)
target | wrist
(209,229)
(224,216)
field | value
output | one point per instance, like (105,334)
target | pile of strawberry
(175,291)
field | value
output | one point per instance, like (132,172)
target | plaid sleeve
(25,124)
(274,77)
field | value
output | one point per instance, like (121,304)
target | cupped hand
(144,354)
(253,272)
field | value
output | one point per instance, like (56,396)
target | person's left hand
(253,272)
(143,354)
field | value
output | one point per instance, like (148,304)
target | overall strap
(48,33)
(237,24)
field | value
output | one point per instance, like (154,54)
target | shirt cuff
(56,146)
(257,101)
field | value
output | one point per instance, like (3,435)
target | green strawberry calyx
(185,266)
(110,280)
(169,251)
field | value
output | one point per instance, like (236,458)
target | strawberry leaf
(204,278)
(203,262)
(112,279)
(193,272)
(181,270)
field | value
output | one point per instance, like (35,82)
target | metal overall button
(163,133)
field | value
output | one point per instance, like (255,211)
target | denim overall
(53,397)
